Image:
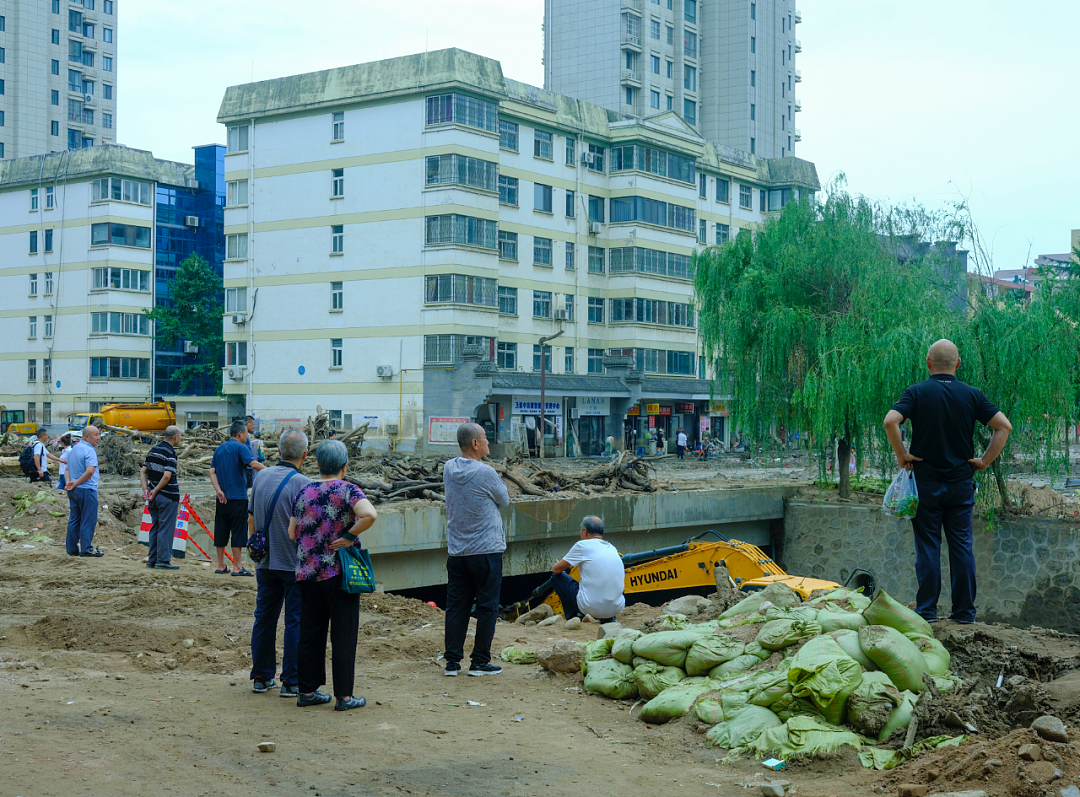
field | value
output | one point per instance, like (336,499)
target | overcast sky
(924,101)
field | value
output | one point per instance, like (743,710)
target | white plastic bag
(902,497)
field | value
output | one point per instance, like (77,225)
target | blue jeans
(567,589)
(949,505)
(60,482)
(275,588)
(82,520)
(472,581)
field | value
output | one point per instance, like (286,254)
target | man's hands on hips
(907,460)
(978,464)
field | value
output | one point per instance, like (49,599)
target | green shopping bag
(356,573)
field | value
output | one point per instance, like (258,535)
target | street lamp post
(543,371)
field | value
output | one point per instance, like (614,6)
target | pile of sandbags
(815,675)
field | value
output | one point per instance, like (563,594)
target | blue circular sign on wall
(301,370)
(58,383)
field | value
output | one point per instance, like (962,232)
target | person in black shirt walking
(943,411)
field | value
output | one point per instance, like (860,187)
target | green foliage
(195,315)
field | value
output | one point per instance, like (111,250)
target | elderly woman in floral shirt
(327,515)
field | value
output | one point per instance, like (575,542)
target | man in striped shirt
(164,498)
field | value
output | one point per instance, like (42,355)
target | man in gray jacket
(476,541)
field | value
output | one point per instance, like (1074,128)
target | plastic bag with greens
(902,497)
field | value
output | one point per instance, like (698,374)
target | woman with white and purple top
(327,515)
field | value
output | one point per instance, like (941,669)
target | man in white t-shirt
(600,592)
(680,444)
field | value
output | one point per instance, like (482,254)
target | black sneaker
(289,691)
(484,669)
(352,702)
(452,669)
(317,698)
(92,552)
(150,565)
(166,566)
(261,685)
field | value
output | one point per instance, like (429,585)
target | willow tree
(821,318)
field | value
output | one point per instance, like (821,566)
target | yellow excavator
(690,568)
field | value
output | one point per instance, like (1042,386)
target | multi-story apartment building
(401,234)
(89,240)
(57,75)
(726,66)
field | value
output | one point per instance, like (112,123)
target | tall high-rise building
(727,67)
(57,75)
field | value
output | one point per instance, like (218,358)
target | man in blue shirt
(228,469)
(81,487)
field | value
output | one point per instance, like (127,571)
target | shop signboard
(664,411)
(635,410)
(530,405)
(592,405)
(719,408)
(704,425)
(444,430)
(684,409)
(652,409)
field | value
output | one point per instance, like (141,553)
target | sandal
(243,571)
(222,572)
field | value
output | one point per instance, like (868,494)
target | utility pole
(543,396)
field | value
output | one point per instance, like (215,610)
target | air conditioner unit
(191,221)
(562,315)
(384,371)
(88,98)
(190,348)
(240,319)
(237,373)
(588,157)
(594,228)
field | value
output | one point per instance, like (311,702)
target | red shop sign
(684,409)
(665,410)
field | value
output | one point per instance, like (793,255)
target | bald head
(91,434)
(943,357)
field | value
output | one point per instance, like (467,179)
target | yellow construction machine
(14,422)
(690,568)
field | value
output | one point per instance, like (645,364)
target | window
(48,248)
(542,145)
(542,197)
(652,311)
(703,231)
(55,67)
(596,311)
(56,6)
(650,261)
(670,67)
(506,356)
(570,151)
(236,353)
(107,6)
(237,139)
(88,30)
(3,24)
(569,306)
(46,407)
(31,370)
(119,324)
(596,209)
(670,35)
(122,190)
(236,193)
(569,256)
(783,90)
(75,21)
(654,99)
(507,300)
(48,281)
(49,326)
(122,279)
(669,101)
(75,52)
(570,199)
(753,78)
(690,43)
(629,96)
(337,183)
(654,31)
(595,158)
(106,62)
(783,60)
(753,11)
(541,251)
(702,186)
(54,128)
(33,199)
(508,242)
(746,197)
(596,361)
(508,190)
(1,87)
(690,111)
(236,300)
(337,238)
(106,35)
(723,233)
(753,44)
(55,97)
(335,352)
(462,170)
(132,367)
(33,327)
(568,360)
(652,211)
(690,10)
(338,126)
(541,304)
(106,91)
(75,80)
(50,198)
(753,146)
(547,358)
(632,28)
(106,120)
(33,243)
(654,63)
(461,289)
(689,78)
(763,200)
(462,110)
(596,259)
(508,135)
(236,246)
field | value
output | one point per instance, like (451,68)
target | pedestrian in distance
(82,490)
(599,594)
(680,444)
(943,411)
(232,460)
(65,447)
(270,510)
(476,541)
(254,443)
(661,447)
(160,467)
(41,457)
(327,515)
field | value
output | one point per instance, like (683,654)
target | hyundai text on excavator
(690,568)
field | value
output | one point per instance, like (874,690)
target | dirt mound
(1044,501)
(638,614)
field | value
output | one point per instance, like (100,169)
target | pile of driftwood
(628,472)
(407,478)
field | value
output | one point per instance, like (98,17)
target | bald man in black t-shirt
(943,411)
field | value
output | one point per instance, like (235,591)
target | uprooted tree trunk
(843,463)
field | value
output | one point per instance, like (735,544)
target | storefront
(588,425)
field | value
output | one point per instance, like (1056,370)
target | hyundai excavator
(691,568)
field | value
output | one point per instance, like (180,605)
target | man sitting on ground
(600,593)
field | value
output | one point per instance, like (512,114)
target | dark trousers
(680,451)
(324,604)
(472,580)
(82,519)
(948,505)
(276,588)
(44,478)
(163,511)
(567,589)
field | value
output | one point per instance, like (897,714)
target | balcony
(798,46)
(81,117)
(798,134)
(798,105)
(632,5)
(798,17)
(631,78)
(798,76)
(631,42)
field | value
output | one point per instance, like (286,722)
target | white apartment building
(727,67)
(400,234)
(57,75)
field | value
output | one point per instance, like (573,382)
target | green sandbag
(770,694)
(835,620)
(935,655)
(612,679)
(775,593)
(709,651)
(674,622)
(666,647)
(872,703)
(742,729)
(876,758)
(895,655)
(805,613)
(843,599)
(826,676)
(672,703)
(946,683)
(622,649)
(516,655)
(803,736)
(710,627)
(755,649)
(885,611)
(714,710)
(900,718)
(849,642)
(638,661)
(598,649)
(779,634)
(737,665)
(652,678)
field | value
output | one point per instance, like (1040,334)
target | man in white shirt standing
(600,592)
(680,444)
